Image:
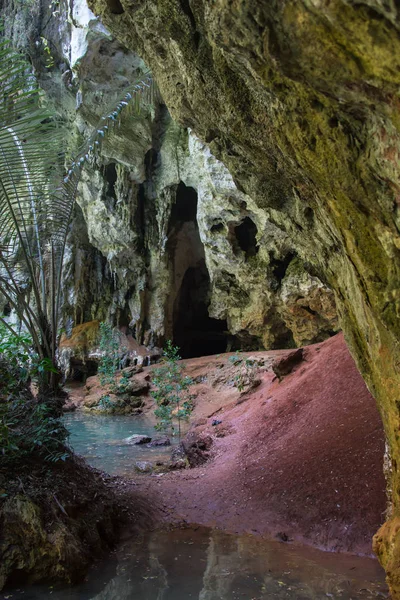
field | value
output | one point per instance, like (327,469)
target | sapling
(171,393)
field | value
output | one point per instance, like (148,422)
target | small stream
(198,563)
(100,440)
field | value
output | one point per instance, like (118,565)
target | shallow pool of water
(206,564)
(100,439)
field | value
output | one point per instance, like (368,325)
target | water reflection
(210,565)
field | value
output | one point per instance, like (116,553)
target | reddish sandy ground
(298,459)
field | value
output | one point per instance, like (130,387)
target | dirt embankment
(56,518)
(299,456)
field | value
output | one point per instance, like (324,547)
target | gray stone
(143,466)
(136,439)
(161,441)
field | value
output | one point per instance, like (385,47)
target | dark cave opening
(246,234)
(115,7)
(243,237)
(80,371)
(193,330)
(110,176)
(280,266)
(185,207)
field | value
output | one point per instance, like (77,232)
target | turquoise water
(198,563)
(100,439)
(203,564)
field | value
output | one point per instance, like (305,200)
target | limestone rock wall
(300,100)
(133,255)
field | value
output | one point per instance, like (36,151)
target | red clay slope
(303,460)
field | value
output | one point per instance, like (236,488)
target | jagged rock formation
(159,217)
(299,99)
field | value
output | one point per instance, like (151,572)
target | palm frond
(37,194)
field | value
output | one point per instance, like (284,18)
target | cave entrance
(193,330)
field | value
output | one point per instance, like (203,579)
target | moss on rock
(300,101)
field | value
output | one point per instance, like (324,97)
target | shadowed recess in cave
(280,266)
(115,7)
(81,370)
(246,236)
(193,330)
(110,178)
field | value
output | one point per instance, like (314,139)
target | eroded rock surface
(159,215)
(300,101)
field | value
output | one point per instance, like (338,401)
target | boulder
(284,366)
(178,458)
(161,441)
(137,439)
(143,466)
(137,388)
(131,371)
(196,447)
(131,401)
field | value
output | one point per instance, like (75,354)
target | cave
(193,330)
(80,371)
(280,266)
(115,7)
(184,208)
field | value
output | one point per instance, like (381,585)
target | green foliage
(123,383)
(110,347)
(23,362)
(105,403)
(174,403)
(29,429)
(27,424)
(49,59)
(246,376)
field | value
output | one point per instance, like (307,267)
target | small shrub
(123,383)
(174,403)
(28,427)
(23,364)
(27,424)
(105,403)
(110,348)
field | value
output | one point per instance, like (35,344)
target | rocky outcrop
(158,214)
(124,392)
(299,99)
(80,352)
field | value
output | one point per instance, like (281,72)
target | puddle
(206,564)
